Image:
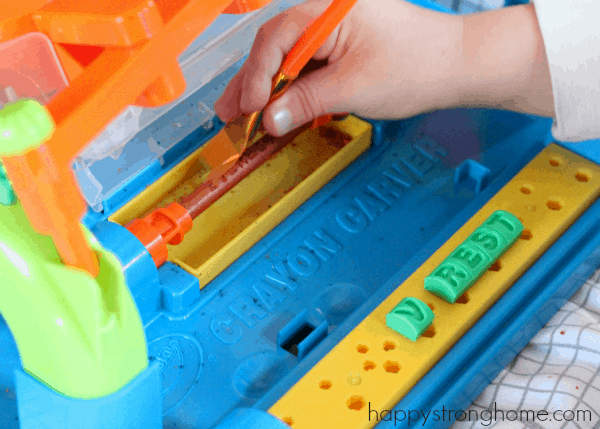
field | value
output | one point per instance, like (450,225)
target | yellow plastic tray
(256,205)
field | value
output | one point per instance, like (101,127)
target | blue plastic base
(321,271)
(169,289)
(253,332)
(136,406)
(250,418)
(139,269)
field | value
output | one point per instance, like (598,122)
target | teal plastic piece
(474,256)
(24,126)
(7,194)
(81,336)
(410,318)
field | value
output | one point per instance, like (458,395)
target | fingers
(227,107)
(311,96)
(250,89)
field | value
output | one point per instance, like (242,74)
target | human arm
(391,59)
(504,62)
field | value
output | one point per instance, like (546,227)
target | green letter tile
(410,318)
(474,256)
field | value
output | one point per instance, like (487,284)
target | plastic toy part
(51,205)
(245,6)
(24,125)
(178,289)
(220,48)
(474,256)
(248,211)
(299,337)
(250,418)
(548,195)
(7,195)
(170,224)
(333,136)
(474,174)
(223,338)
(224,150)
(88,339)
(93,33)
(139,269)
(162,226)
(313,37)
(29,67)
(132,73)
(136,405)
(111,141)
(92,22)
(410,318)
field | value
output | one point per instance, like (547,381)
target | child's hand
(387,59)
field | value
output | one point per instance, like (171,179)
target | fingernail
(283,121)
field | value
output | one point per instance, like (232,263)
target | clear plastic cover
(29,68)
(139,136)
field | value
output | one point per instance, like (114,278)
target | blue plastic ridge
(135,406)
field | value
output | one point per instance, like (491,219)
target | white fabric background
(558,370)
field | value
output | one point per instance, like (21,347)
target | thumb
(311,96)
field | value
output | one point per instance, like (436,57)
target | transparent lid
(29,68)
(140,136)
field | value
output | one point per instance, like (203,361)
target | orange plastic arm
(121,73)
(315,36)
(53,205)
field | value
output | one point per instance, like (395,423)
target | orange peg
(163,226)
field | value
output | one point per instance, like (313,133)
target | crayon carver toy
(162,269)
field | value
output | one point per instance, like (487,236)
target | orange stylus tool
(229,144)
(309,43)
